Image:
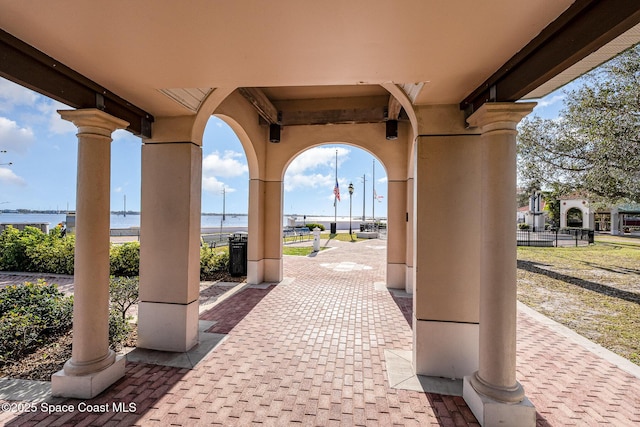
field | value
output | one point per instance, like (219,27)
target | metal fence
(551,238)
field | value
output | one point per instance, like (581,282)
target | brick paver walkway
(311,352)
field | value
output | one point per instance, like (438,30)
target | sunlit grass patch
(594,290)
(299,250)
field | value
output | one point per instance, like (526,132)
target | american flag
(336,191)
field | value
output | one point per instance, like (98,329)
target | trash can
(238,254)
(333,228)
(70,223)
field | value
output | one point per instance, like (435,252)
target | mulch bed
(50,358)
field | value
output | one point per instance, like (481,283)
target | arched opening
(310,181)
(335,184)
(225,183)
(574,218)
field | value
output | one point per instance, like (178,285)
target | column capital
(500,115)
(93,121)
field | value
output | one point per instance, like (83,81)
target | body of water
(120,221)
(207,221)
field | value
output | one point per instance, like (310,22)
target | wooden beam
(25,65)
(393,108)
(583,28)
(261,103)
(336,116)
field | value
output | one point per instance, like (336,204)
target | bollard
(316,239)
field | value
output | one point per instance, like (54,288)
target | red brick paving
(311,352)
(231,311)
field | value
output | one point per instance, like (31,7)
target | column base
(255,272)
(445,349)
(408,281)
(87,386)
(273,270)
(167,327)
(396,274)
(490,412)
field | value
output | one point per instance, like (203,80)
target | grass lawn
(594,290)
(306,250)
(343,237)
(299,250)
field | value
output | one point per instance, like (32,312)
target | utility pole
(364,194)
(224,197)
(373,192)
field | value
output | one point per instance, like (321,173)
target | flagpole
(373,194)
(335,195)
(364,195)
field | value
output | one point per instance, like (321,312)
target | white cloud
(317,157)
(124,135)
(117,190)
(7,176)
(12,95)
(226,165)
(13,138)
(55,123)
(315,168)
(382,180)
(546,102)
(299,180)
(212,185)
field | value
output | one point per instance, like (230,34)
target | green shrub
(123,293)
(31,314)
(312,226)
(119,330)
(13,247)
(53,254)
(523,226)
(213,262)
(34,251)
(125,259)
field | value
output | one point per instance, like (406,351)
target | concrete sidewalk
(314,350)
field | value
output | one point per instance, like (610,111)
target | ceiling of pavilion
(165,56)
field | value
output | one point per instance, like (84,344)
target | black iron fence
(560,237)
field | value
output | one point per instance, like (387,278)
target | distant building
(577,211)
(533,215)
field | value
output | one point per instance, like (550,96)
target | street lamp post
(350,198)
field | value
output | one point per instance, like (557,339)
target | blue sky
(43,150)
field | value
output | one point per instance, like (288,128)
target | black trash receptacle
(238,254)
(333,228)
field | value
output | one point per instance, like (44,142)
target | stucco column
(496,375)
(255,246)
(273,268)
(446,255)
(396,234)
(93,365)
(409,237)
(615,222)
(170,245)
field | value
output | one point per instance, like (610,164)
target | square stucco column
(493,393)
(255,246)
(170,246)
(273,269)
(93,365)
(409,273)
(446,255)
(396,234)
